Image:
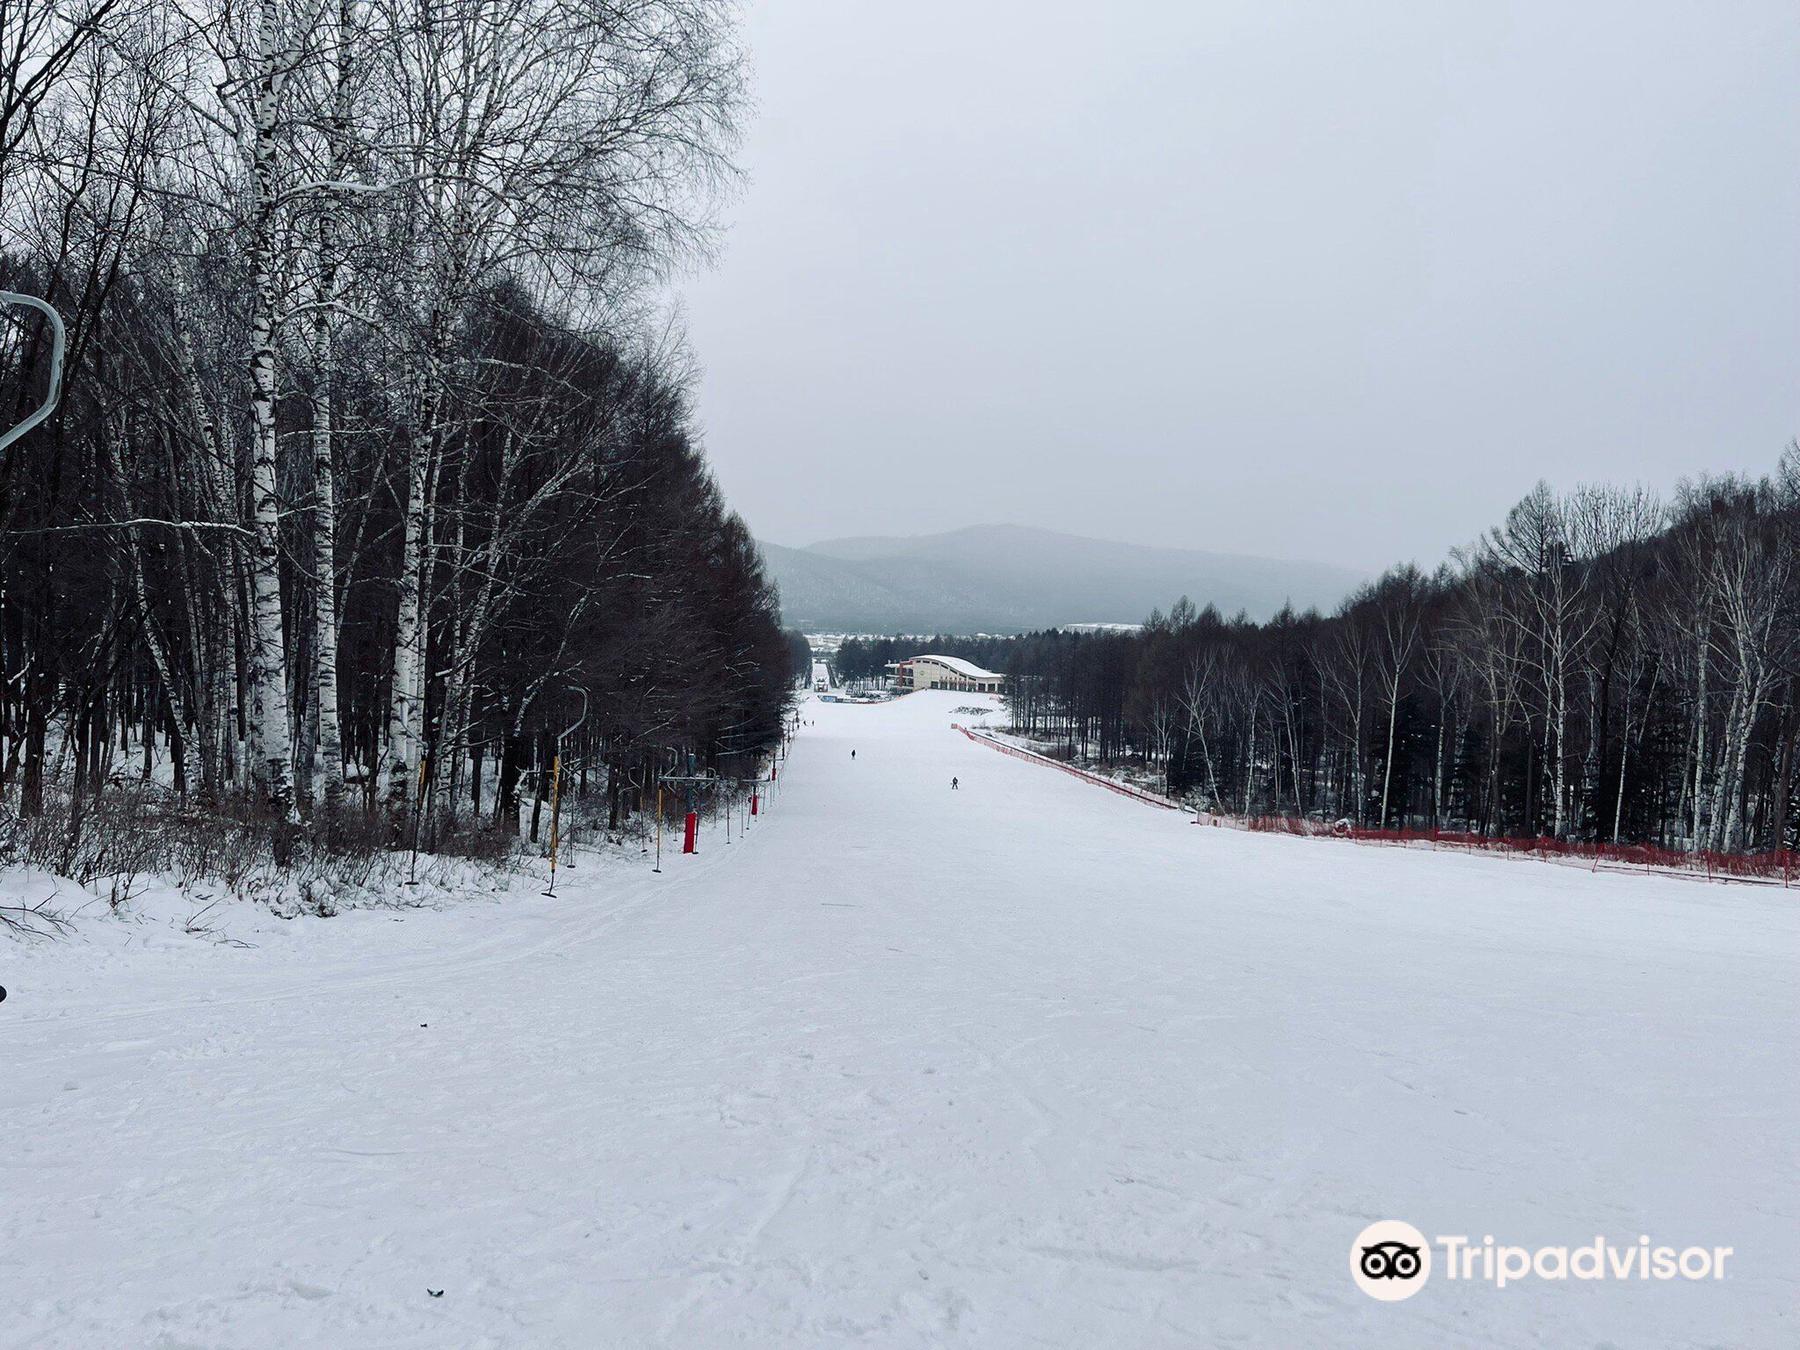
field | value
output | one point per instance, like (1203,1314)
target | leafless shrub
(33,921)
(116,844)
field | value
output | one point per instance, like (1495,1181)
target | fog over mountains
(1012,578)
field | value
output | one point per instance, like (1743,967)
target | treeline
(800,657)
(374,473)
(1600,667)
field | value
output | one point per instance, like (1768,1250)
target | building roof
(961,667)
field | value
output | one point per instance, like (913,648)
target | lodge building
(944,672)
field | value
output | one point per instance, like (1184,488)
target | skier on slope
(853,754)
(953,785)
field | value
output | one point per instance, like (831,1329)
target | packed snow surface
(1022,1064)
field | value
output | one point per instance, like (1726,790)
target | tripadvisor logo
(1391,1260)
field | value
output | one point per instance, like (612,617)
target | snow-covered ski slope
(1026,1064)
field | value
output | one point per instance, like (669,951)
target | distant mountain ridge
(1012,578)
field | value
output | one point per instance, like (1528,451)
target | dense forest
(374,473)
(1600,667)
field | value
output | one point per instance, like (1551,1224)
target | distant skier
(853,754)
(953,785)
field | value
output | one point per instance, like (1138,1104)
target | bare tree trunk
(1702,642)
(404,714)
(324,515)
(153,635)
(268,657)
(1387,769)
(325,621)
(1437,775)
(1784,779)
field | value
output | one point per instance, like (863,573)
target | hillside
(1009,578)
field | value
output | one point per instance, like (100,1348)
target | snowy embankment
(1022,1064)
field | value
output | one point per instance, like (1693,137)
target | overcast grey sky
(1317,280)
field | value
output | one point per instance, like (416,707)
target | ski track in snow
(1025,1065)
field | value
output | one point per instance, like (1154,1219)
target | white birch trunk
(1700,717)
(272,733)
(325,637)
(403,717)
(325,616)
(1387,769)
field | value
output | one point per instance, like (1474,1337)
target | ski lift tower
(688,782)
(58,340)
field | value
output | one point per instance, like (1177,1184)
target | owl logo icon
(1390,1260)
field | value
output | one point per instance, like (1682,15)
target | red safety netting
(1123,789)
(1778,866)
